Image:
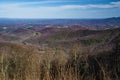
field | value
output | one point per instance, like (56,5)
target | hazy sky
(59,8)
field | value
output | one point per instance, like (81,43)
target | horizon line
(59,18)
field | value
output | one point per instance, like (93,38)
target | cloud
(27,9)
(67,6)
(85,6)
(110,5)
(116,3)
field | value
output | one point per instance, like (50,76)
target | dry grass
(18,62)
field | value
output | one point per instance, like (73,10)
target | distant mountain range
(114,18)
(113,22)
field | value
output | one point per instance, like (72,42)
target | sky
(59,8)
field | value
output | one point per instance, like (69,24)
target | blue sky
(59,8)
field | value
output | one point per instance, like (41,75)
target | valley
(60,49)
